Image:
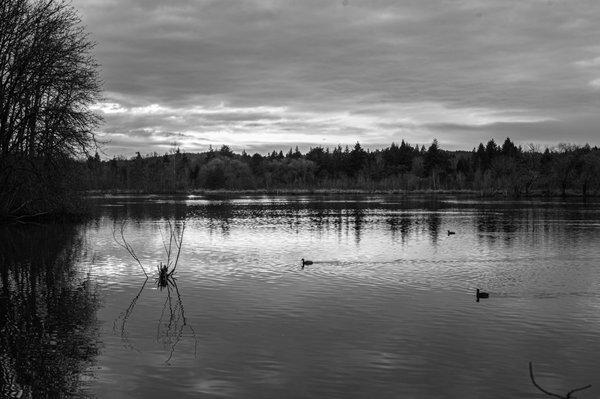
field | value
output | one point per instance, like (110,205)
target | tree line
(489,169)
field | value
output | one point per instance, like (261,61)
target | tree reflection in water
(48,327)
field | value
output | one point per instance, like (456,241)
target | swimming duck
(481,294)
(306,262)
(451,232)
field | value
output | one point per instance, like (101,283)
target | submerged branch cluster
(172,242)
(172,329)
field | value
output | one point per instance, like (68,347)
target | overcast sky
(265,75)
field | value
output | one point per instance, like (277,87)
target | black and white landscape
(299,199)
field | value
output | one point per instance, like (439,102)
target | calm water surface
(387,310)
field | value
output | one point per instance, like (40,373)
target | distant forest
(489,169)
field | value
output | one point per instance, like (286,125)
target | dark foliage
(48,80)
(490,169)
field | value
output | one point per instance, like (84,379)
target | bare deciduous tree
(48,80)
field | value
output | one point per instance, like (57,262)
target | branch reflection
(169,330)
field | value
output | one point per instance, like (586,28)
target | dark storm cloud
(265,74)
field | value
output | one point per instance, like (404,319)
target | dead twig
(568,395)
(167,270)
(178,244)
(128,247)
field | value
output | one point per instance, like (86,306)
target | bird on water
(480,294)
(306,262)
(451,232)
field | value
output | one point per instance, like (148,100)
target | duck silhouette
(451,232)
(306,262)
(480,294)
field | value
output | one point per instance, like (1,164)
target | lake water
(387,309)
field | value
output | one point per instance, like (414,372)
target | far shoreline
(332,192)
(90,195)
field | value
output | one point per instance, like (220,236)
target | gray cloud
(265,74)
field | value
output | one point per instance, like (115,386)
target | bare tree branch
(48,82)
(178,243)
(568,395)
(128,247)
